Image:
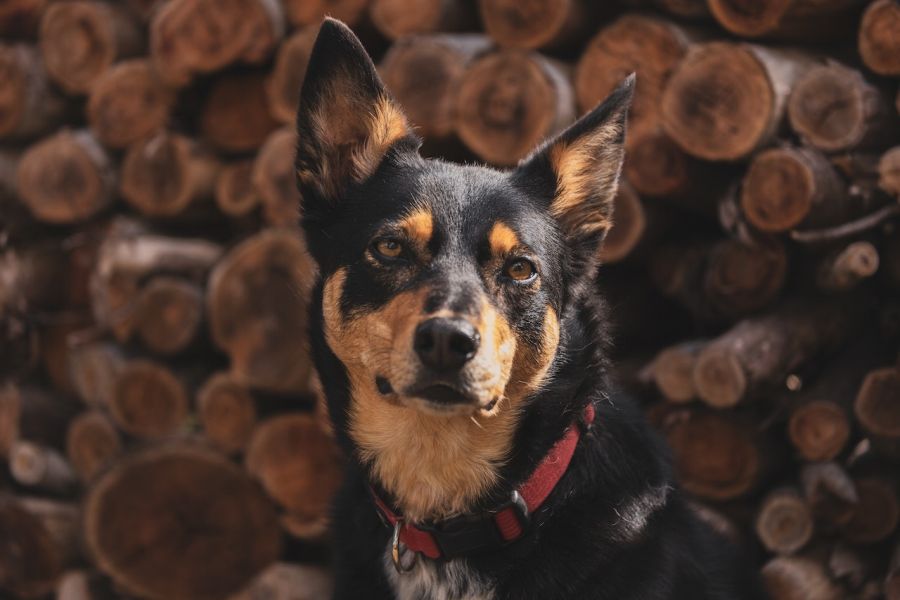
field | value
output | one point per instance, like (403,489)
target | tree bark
(879,45)
(830,493)
(423,73)
(164,174)
(834,108)
(41,468)
(798,578)
(256,305)
(299,467)
(29,105)
(235,117)
(508,101)
(84,585)
(92,444)
(760,352)
(32,414)
(94,369)
(177,491)
(287,581)
(398,18)
(227,412)
(725,101)
(80,40)
(66,178)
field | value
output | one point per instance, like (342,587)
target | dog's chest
(427,580)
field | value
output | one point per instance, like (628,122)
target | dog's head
(443,284)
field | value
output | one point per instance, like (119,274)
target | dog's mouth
(442,393)
(441,397)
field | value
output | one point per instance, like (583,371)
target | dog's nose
(446,344)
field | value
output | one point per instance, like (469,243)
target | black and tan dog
(461,346)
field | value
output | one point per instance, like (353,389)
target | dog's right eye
(388,247)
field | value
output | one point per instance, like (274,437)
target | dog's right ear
(346,120)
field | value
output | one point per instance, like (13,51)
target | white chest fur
(427,580)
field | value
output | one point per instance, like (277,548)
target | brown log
(689,9)
(128,257)
(227,412)
(784,523)
(149,401)
(423,73)
(235,194)
(29,105)
(287,581)
(760,352)
(169,315)
(628,228)
(741,278)
(55,348)
(128,102)
(535,24)
(32,414)
(65,178)
(21,17)
(40,538)
(875,516)
(656,166)
(508,101)
(299,467)
(877,410)
(164,174)
(829,491)
(33,278)
(284,82)
(236,115)
(798,578)
(80,40)
(724,101)
(819,428)
(94,369)
(673,371)
(92,443)
(310,12)
(397,18)
(889,172)
(255,302)
(191,37)
(83,585)
(844,269)
(833,108)
(879,45)
(793,19)
(645,45)
(274,178)
(41,468)
(718,455)
(179,493)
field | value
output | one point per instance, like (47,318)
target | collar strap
(462,535)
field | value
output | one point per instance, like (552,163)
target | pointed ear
(346,120)
(577,173)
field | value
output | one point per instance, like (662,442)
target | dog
(462,347)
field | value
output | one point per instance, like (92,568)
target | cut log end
(742,278)
(310,12)
(819,430)
(719,378)
(719,103)
(274,178)
(784,523)
(283,84)
(148,400)
(879,45)
(509,101)
(396,18)
(876,514)
(798,578)
(137,516)
(673,371)
(92,443)
(629,224)
(889,169)
(532,24)
(170,314)
(235,194)
(655,165)
(843,270)
(65,178)
(227,412)
(876,406)
(41,468)
(236,115)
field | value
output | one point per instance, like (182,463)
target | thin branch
(847,229)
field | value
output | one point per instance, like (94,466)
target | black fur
(581,544)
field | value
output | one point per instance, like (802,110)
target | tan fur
(387,124)
(418,227)
(502,239)
(587,171)
(435,465)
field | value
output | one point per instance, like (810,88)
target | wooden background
(158,431)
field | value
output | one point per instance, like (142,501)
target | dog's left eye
(388,247)
(520,269)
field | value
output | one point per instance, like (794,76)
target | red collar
(462,535)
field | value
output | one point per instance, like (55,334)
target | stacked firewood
(159,427)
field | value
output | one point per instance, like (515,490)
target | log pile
(159,430)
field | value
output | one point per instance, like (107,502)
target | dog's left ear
(577,173)
(346,121)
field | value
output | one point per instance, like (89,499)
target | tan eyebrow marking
(502,239)
(419,227)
